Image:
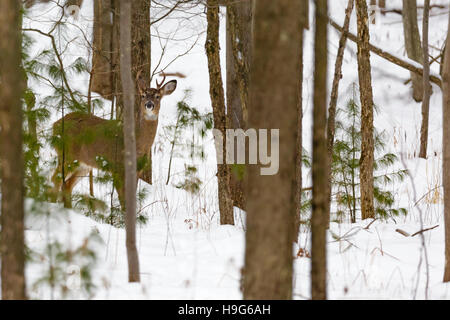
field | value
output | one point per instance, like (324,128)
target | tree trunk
(320,158)
(218,104)
(115,67)
(299,148)
(331,121)
(102,78)
(141,59)
(238,54)
(12,242)
(128,89)
(426,84)
(412,43)
(366,97)
(446,153)
(275,75)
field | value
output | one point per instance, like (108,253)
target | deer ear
(169,87)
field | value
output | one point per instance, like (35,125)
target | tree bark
(320,158)
(446,153)
(412,43)
(366,97)
(274,79)
(426,84)
(238,54)
(12,243)
(129,140)
(141,59)
(331,121)
(299,149)
(218,104)
(102,79)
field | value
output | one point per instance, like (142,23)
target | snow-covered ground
(185,254)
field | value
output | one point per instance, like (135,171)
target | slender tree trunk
(115,67)
(238,54)
(129,140)
(446,153)
(320,158)
(12,243)
(366,96)
(426,84)
(141,59)
(275,75)
(412,43)
(299,149)
(331,121)
(90,111)
(218,104)
(102,78)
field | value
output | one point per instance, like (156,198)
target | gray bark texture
(129,140)
(412,44)
(274,79)
(12,245)
(366,97)
(218,104)
(319,158)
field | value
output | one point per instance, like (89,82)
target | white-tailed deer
(92,142)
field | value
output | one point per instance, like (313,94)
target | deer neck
(145,135)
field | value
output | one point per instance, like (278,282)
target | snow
(185,254)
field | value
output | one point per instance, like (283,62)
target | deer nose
(150,105)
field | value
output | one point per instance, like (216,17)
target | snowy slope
(185,254)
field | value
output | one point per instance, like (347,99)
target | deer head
(151,97)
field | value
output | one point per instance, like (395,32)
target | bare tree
(299,149)
(446,152)
(412,43)
(426,84)
(218,104)
(320,158)
(366,96)
(331,121)
(275,75)
(238,53)
(129,140)
(12,243)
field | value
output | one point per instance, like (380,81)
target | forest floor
(185,254)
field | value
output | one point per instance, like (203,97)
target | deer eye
(157,96)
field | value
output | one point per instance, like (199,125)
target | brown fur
(89,141)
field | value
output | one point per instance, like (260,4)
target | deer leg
(71,182)
(57,183)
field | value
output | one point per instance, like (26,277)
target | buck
(84,141)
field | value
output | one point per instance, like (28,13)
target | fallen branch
(406,234)
(403,233)
(368,226)
(424,230)
(388,56)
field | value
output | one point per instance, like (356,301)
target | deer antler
(170,74)
(159,84)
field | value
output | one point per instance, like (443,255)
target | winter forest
(225,149)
